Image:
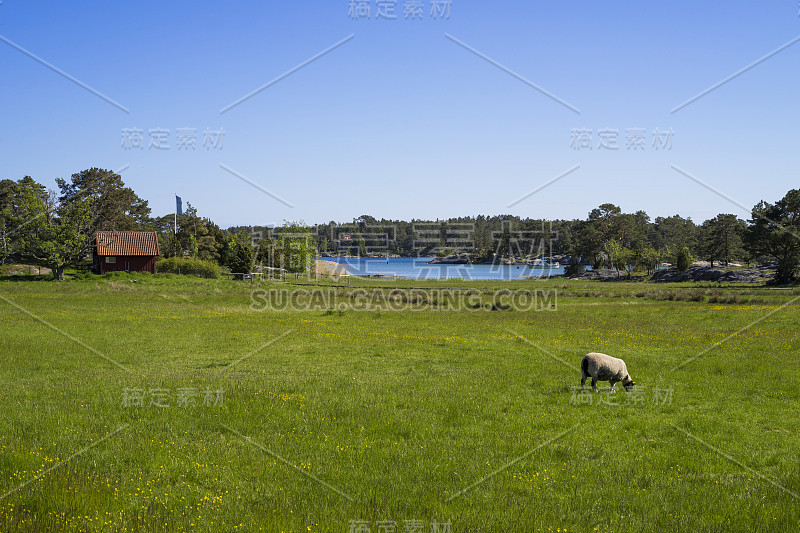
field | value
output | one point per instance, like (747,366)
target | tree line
(607,237)
(56,229)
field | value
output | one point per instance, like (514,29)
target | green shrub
(574,269)
(684,259)
(189,266)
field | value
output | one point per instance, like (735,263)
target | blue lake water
(418,268)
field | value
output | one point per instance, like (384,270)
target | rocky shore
(759,274)
(456,259)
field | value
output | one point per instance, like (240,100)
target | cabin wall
(134,263)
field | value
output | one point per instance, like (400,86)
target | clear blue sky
(401,121)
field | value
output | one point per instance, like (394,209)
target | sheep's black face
(628,386)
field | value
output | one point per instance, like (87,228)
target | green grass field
(436,419)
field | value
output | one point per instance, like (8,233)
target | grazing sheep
(603,367)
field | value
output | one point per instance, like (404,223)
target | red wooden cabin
(130,251)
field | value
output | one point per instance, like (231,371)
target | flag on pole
(178,205)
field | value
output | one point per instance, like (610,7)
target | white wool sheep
(603,367)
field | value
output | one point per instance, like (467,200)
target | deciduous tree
(58,234)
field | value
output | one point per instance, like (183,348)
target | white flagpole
(176,213)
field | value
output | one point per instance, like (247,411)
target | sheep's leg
(612,386)
(594,384)
(583,381)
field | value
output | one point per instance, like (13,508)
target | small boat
(542,263)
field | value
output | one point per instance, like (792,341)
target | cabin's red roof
(126,243)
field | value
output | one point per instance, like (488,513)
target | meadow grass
(329,420)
